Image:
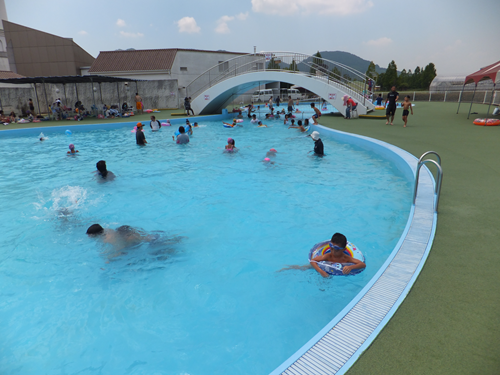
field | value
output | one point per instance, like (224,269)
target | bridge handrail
(320,68)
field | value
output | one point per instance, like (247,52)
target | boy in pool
(337,255)
(338,243)
(406,104)
(317,114)
(254,119)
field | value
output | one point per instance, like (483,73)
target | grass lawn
(450,321)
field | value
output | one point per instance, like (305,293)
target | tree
(428,75)
(335,74)
(272,64)
(316,62)
(403,80)
(347,77)
(391,76)
(370,72)
(293,66)
(416,80)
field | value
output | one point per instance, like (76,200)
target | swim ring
(486,122)
(336,268)
(228,126)
(239,120)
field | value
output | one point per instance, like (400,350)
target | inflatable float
(336,268)
(486,122)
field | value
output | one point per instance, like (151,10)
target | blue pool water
(205,297)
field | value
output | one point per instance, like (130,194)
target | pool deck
(338,345)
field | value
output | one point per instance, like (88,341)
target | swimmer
(230,145)
(182,138)
(189,129)
(155,125)
(140,138)
(261,125)
(271,153)
(72,150)
(318,144)
(195,125)
(267,161)
(406,104)
(306,123)
(285,122)
(338,243)
(254,119)
(300,126)
(297,103)
(121,237)
(168,123)
(103,172)
(267,116)
(239,114)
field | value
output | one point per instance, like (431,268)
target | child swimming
(230,147)
(72,150)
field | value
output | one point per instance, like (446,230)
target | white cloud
(120,23)
(288,7)
(242,16)
(188,25)
(380,42)
(222,26)
(131,35)
(83,32)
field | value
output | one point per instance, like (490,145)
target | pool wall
(54,129)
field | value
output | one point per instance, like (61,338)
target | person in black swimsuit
(406,104)
(392,98)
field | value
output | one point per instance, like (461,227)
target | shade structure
(488,72)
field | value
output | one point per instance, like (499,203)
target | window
(184,69)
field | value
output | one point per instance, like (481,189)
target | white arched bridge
(216,88)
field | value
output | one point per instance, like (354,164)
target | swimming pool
(206,298)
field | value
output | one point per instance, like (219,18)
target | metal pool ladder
(437,191)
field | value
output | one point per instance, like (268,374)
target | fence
(481,97)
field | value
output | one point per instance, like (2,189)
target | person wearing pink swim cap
(230,145)
(271,153)
(72,150)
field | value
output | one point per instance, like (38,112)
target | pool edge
(303,361)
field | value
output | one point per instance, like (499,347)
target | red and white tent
(488,72)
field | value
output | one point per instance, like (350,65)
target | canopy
(489,72)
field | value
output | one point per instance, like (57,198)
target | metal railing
(349,80)
(437,191)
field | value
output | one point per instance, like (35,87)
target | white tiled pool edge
(340,343)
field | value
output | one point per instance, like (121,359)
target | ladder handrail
(431,152)
(437,191)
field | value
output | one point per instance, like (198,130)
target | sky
(459,36)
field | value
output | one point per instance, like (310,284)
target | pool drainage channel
(340,343)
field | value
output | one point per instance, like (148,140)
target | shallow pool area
(205,296)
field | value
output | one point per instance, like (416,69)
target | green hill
(346,58)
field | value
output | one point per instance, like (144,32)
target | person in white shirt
(154,124)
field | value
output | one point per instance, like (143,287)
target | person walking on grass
(406,104)
(392,99)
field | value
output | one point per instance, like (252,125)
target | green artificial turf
(450,321)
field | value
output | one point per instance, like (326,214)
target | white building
(4,61)
(184,65)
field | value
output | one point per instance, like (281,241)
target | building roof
(145,59)
(7,74)
(65,79)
